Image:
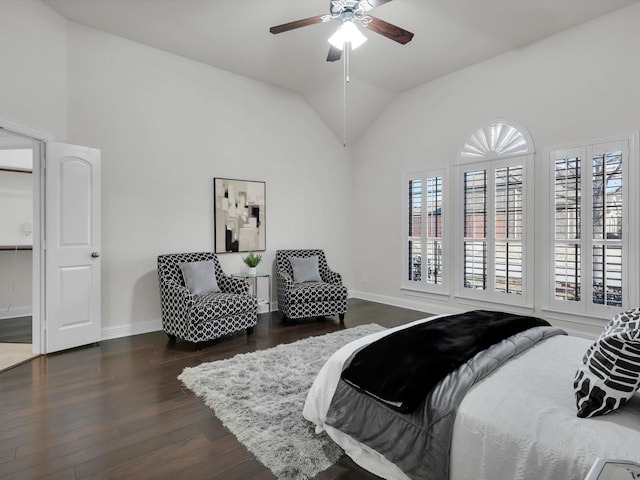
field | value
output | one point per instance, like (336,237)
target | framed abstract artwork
(239,215)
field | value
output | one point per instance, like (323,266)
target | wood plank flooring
(116,410)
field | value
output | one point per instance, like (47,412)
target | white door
(72,246)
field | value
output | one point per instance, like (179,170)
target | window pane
(508,268)
(607,275)
(607,196)
(567,198)
(415,231)
(415,208)
(475,261)
(434,207)
(567,272)
(433,253)
(415,261)
(434,262)
(475,204)
(508,202)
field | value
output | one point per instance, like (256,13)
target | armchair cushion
(213,306)
(200,277)
(305,269)
(310,292)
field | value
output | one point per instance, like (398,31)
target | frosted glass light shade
(347,32)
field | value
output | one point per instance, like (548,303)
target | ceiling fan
(350,12)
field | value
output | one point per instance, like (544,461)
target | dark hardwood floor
(116,410)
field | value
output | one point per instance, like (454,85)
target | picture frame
(239,210)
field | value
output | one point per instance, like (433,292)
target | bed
(519,422)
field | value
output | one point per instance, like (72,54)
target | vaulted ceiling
(234,35)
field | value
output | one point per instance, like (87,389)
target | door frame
(39,138)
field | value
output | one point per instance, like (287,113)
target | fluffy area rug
(259,397)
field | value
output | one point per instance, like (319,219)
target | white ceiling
(234,35)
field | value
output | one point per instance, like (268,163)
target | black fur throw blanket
(400,369)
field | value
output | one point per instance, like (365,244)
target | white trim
(110,333)
(39,137)
(25,130)
(404,303)
(38,331)
(15,312)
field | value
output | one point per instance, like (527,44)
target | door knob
(95,254)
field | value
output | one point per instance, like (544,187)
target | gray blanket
(419,443)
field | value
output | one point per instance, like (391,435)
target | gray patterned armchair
(325,295)
(201,317)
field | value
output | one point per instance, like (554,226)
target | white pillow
(305,269)
(200,277)
(610,371)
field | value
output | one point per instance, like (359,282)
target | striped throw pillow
(610,371)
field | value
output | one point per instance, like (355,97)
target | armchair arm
(235,285)
(333,278)
(175,295)
(285,282)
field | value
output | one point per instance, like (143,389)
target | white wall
(33,92)
(166,126)
(16,208)
(578,85)
(15,283)
(33,56)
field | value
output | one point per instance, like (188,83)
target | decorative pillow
(610,370)
(200,277)
(305,269)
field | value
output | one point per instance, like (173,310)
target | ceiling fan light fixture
(347,32)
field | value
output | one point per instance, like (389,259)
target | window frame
(491,160)
(422,287)
(584,310)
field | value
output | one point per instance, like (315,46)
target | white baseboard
(109,333)
(15,312)
(427,307)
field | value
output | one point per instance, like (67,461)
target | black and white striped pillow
(610,371)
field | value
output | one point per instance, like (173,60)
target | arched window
(493,178)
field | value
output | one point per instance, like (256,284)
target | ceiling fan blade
(285,27)
(334,54)
(389,30)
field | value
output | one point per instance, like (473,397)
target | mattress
(518,423)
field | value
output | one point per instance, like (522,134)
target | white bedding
(518,423)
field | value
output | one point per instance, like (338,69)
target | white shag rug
(259,397)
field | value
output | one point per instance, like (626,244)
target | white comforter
(519,423)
